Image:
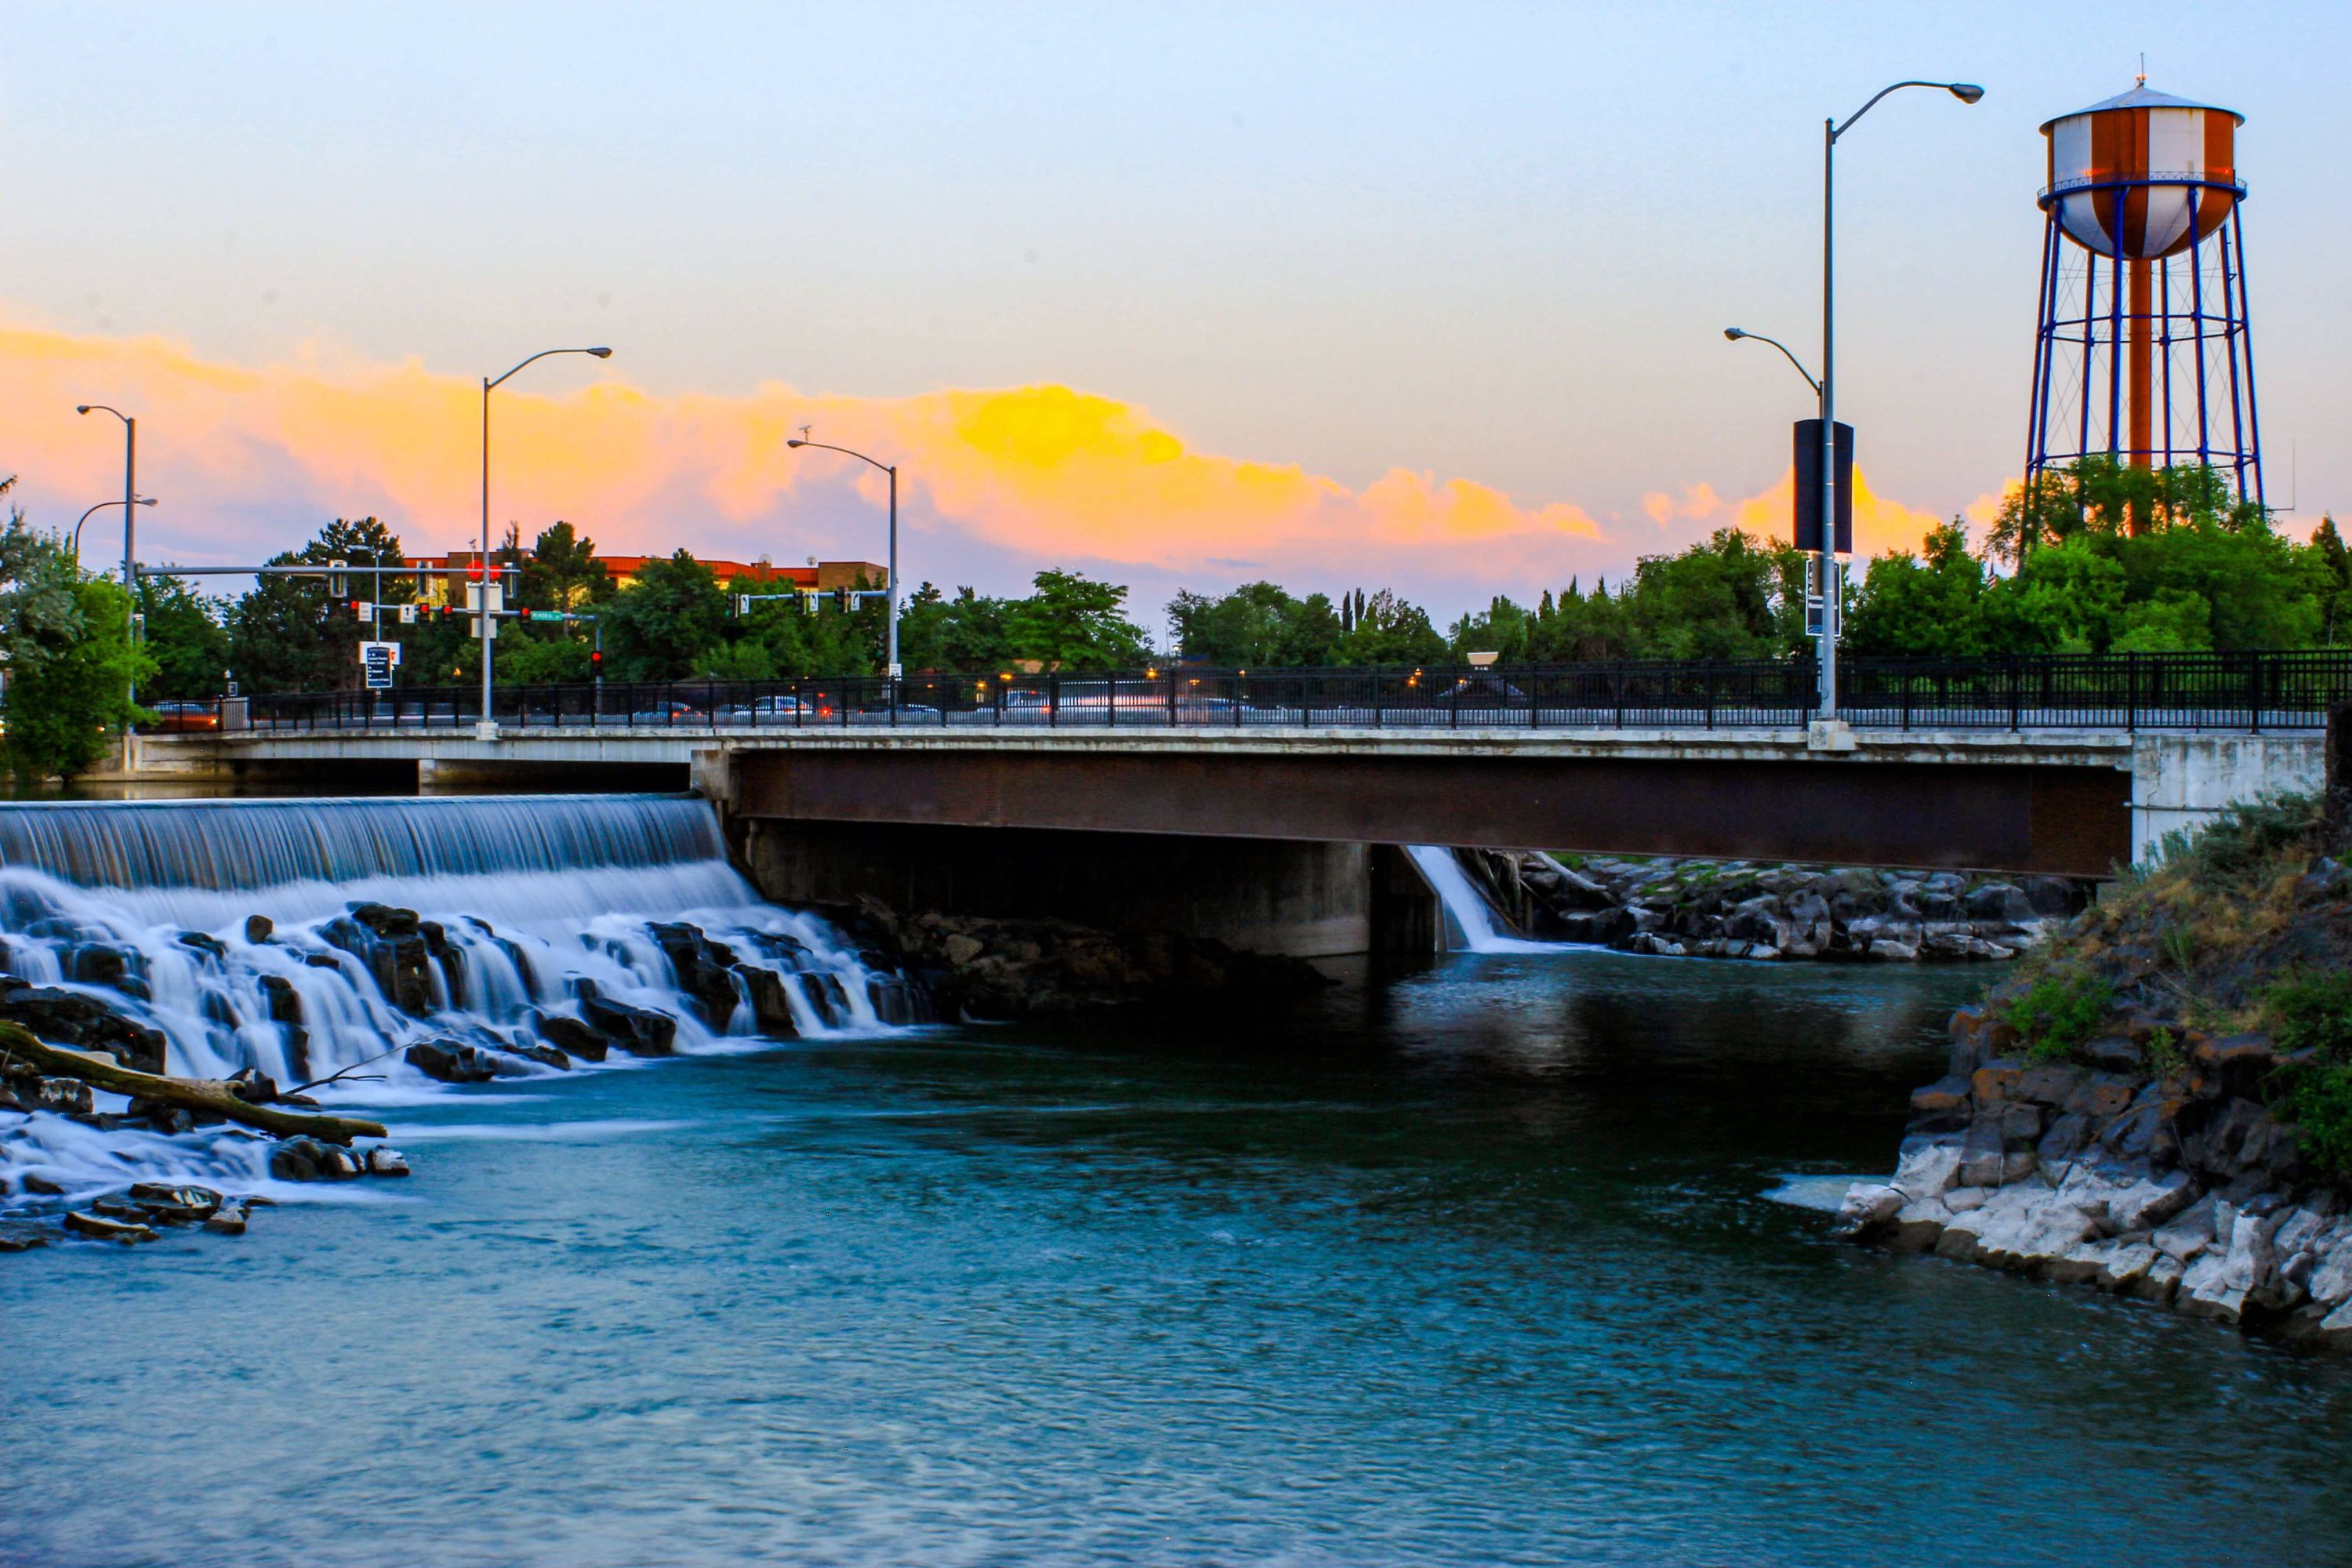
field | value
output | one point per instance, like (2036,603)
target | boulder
(640,1031)
(384,1161)
(772,1010)
(1944,1098)
(2188,1235)
(175,1204)
(99,1228)
(23,1235)
(703,969)
(82,1022)
(229,1221)
(545,1056)
(574,1036)
(258,928)
(1867,1206)
(308,1160)
(390,943)
(451,1062)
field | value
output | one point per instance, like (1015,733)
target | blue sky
(1491,241)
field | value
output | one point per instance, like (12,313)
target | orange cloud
(248,460)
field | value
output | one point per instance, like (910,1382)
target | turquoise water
(1471,1267)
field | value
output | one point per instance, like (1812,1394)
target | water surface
(1471,1267)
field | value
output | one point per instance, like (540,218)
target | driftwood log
(205,1097)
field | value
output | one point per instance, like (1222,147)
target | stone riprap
(2165,1179)
(1737,908)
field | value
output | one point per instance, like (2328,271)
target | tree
(1390,631)
(287,634)
(71,663)
(1257,623)
(662,623)
(1727,597)
(1072,621)
(562,572)
(1930,603)
(184,636)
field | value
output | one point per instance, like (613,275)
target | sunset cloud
(993,483)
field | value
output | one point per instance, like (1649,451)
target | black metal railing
(2250,691)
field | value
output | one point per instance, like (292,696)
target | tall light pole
(1967,92)
(488,728)
(891,570)
(142,501)
(130,519)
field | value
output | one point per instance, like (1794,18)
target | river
(1474,1265)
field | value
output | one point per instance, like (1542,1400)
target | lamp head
(1967,91)
(81,408)
(1735,333)
(144,500)
(795,441)
(607,353)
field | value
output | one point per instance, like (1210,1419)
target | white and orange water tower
(2143,353)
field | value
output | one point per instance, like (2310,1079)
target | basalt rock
(704,968)
(977,967)
(574,1036)
(1741,910)
(772,1011)
(452,1061)
(81,1023)
(392,943)
(640,1031)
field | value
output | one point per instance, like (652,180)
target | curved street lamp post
(138,500)
(129,504)
(488,728)
(891,568)
(1967,92)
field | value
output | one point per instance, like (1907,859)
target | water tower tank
(2160,160)
(2144,354)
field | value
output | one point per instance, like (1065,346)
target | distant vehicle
(768,711)
(1481,689)
(178,717)
(907,712)
(669,713)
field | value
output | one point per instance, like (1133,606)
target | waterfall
(297,938)
(1466,907)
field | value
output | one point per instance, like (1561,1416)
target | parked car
(178,717)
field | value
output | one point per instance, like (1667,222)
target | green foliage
(2318,1098)
(184,637)
(666,623)
(71,661)
(2164,1056)
(2311,1012)
(1073,621)
(2240,842)
(2058,1013)
(1727,597)
(561,572)
(1257,624)
(1930,603)
(287,635)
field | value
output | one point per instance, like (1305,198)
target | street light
(1736,333)
(890,582)
(488,729)
(142,501)
(130,518)
(1967,92)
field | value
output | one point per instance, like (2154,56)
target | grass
(2060,1013)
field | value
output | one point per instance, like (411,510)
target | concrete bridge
(1264,836)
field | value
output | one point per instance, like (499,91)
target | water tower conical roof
(2143,97)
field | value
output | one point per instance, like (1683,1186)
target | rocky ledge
(2159,1101)
(984,969)
(1739,909)
(2169,1181)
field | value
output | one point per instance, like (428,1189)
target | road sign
(377,661)
(407,614)
(474,598)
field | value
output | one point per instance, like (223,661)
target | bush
(2318,1099)
(2311,1012)
(2057,1013)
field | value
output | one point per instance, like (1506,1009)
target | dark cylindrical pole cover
(1808,531)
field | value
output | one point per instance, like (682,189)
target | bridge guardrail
(2251,691)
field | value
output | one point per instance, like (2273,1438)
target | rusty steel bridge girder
(2068,817)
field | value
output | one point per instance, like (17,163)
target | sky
(1180,295)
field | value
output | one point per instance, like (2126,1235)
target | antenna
(2142,68)
(804,430)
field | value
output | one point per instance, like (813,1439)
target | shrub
(2318,1099)
(2058,1013)
(2311,1012)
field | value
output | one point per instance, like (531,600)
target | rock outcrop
(975,967)
(2160,1102)
(1735,909)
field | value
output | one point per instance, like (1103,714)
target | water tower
(2143,353)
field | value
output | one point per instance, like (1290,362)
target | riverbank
(2159,1103)
(1739,909)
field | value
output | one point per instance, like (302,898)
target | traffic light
(337,583)
(596,658)
(363,610)
(841,600)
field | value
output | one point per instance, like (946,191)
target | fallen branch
(207,1097)
(337,1075)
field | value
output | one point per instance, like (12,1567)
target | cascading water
(481,927)
(1466,907)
